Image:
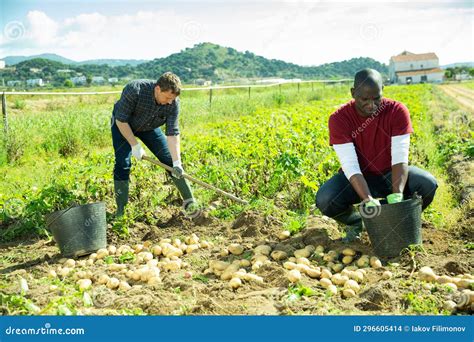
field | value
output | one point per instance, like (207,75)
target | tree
(68,83)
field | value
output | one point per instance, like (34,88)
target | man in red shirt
(371,137)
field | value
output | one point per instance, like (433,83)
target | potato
(173,265)
(152,263)
(156,250)
(204,244)
(337,268)
(347,259)
(449,305)
(262,250)
(192,240)
(224,252)
(63,272)
(154,281)
(192,248)
(319,249)
(284,235)
(465,283)
(256,265)
(259,258)
(313,272)
(302,268)
(116,267)
(112,250)
(310,248)
(332,290)
(124,286)
(339,279)
(84,284)
(358,276)
(375,262)
(240,274)
(363,261)
(52,274)
(89,262)
(235,283)
(170,251)
(177,242)
(348,293)
(235,249)
(352,284)
(426,274)
(81,263)
(325,273)
(229,271)
(103,279)
(292,259)
(444,279)
(451,285)
(244,263)
(289,265)
(53,287)
(303,261)
(253,278)
(102,253)
(71,263)
(387,275)
(302,253)
(218,265)
(325,282)
(349,252)
(93,256)
(279,255)
(294,276)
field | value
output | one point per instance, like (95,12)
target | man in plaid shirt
(143,107)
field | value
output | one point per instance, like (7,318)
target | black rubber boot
(121,196)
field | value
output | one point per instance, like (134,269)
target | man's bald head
(368,77)
(367,91)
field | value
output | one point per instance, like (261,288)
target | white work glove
(137,151)
(177,169)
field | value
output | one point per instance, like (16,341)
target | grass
(271,149)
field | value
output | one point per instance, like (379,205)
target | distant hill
(203,61)
(13,60)
(454,65)
(211,61)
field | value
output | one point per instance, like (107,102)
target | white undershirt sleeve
(400,148)
(348,158)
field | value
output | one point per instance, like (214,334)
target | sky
(301,32)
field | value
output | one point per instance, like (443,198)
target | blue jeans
(336,196)
(155,140)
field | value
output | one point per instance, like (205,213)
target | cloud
(302,32)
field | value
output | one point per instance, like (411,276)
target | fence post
(312,86)
(249,92)
(5,116)
(210,98)
(279,87)
(298,87)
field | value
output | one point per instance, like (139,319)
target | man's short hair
(169,81)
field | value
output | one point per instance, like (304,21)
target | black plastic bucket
(393,227)
(79,230)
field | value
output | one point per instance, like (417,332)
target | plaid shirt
(137,107)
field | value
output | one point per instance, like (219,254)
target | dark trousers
(336,196)
(155,140)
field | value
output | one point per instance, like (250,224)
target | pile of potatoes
(461,285)
(341,270)
(235,272)
(150,261)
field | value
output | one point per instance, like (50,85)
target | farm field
(270,148)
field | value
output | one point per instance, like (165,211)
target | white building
(2,64)
(35,82)
(79,80)
(14,83)
(98,80)
(113,80)
(409,68)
